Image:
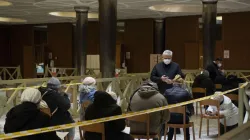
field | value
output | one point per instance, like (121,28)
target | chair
(215,103)
(143,119)
(181,110)
(218,87)
(96,128)
(198,91)
(84,107)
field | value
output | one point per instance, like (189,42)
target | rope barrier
(112,118)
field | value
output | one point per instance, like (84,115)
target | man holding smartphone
(164,72)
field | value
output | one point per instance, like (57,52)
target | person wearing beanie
(59,104)
(87,91)
(105,106)
(27,116)
(227,109)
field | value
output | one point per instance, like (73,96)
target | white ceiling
(36,11)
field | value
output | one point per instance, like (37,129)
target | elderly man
(165,71)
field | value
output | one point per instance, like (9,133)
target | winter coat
(176,94)
(27,116)
(231,83)
(203,81)
(147,97)
(170,70)
(228,109)
(61,102)
(105,106)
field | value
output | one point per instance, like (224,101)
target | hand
(209,113)
(164,78)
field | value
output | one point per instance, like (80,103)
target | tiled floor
(196,119)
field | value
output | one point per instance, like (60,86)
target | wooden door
(191,56)
(118,56)
(29,67)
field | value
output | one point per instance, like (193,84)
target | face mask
(167,61)
(219,65)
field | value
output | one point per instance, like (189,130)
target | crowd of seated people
(102,104)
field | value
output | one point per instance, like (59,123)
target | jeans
(177,119)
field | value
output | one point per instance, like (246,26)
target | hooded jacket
(56,100)
(104,106)
(147,97)
(203,81)
(27,116)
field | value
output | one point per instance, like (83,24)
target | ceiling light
(6,19)
(177,8)
(5,3)
(72,14)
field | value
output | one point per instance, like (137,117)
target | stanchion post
(241,105)
(74,96)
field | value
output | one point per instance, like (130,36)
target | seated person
(227,109)
(175,95)
(105,106)
(203,81)
(87,91)
(148,97)
(27,116)
(59,105)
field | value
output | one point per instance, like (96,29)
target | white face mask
(167,61)
(219,65)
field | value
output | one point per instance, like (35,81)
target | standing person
(165,71)
(59,105)
(214,69)
(105,106)
(27,116)
(148,97)
(87,91)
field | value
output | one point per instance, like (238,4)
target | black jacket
(232,82)
(60,101)
(104,106)
(170,70)
(213,70)
(27,116)
(203,81)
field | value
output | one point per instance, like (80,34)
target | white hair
(167,52)
(31,95)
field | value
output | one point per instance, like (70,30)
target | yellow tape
(101,120)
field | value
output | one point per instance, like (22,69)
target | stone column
(159,36)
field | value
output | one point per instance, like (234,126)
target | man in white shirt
(228,109)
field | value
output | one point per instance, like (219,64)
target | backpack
(43,106)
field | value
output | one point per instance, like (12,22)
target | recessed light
(72,14)
(5,3)
(14,20)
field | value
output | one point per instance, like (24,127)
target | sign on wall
(226,54)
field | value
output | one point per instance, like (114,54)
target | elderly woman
(228,109)
(27,116)
(87,91)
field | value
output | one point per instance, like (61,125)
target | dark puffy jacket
(60,101)
(105,106)
(170,70)
(27,116)
(203,81)
(176,94)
